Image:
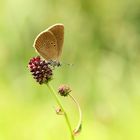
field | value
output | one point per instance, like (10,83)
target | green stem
(62,108)
(79,125)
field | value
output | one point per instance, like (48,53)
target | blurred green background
(102,40)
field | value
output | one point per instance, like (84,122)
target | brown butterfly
(49,44)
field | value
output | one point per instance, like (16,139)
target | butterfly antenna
(67,64)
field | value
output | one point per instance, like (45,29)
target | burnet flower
(42,72)
(40,69)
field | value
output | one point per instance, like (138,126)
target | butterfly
(49,44)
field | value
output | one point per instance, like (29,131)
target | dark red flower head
(40,70)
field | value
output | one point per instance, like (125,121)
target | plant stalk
(62,108)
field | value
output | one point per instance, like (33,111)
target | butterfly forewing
(46,45)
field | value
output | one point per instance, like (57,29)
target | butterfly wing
(58,31)
(46,45)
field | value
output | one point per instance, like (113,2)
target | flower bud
(77,130)
(64,90)
(59,111)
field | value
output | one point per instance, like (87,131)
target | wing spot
(53,44)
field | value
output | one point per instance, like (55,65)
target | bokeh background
(102,40)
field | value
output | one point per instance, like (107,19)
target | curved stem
(79,125)
(61,106)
